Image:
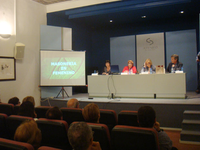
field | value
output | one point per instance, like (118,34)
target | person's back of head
(73,103)
(146,116)
(91,113)
(80,136)
(27,109)
(14,101)
(54,113)
(29,132)
(30,99)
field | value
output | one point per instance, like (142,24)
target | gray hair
(175,57)
(80,135)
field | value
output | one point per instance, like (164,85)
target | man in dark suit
(175,64)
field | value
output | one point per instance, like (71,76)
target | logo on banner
(151,46)
(149,41)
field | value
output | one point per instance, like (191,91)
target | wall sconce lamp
(5,29)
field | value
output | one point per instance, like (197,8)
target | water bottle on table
(150,70)
(172,70)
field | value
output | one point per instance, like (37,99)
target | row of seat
(108,117)
(6,144)
(54,134)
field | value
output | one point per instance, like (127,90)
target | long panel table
(138,85)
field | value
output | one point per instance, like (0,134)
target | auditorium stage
(169,111)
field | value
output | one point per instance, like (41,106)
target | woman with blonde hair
(148,67)
(29,132)
(30,99)
(130,69)
(91,113)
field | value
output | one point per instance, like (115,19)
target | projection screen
(62,68)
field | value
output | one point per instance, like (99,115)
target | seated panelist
(107,68)
(174,65)
(130,69)
(148,67)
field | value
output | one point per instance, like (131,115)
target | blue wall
(183,43)
(96,41)
(122,49)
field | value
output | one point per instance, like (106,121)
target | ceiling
(46,2)
(130,11)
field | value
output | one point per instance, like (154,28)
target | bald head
(73,103)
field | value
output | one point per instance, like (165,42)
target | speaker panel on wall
(19,51)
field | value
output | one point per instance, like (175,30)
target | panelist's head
(130,64)
(91,113)
(148,63)
(107,63)
(73,103)
(146,116)
(174,58)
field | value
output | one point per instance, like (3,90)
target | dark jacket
(177,66)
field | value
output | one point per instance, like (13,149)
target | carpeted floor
(175,136)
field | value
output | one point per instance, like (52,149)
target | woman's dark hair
(54,113)
(146,116)
(27,109)
(108,61)
(14,101)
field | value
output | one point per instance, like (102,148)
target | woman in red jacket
(130,69)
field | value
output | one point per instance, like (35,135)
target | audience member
(91,113)
(54,113)
(27,109)
(80,137)
(30,99)
(147,119)
(14,101)
(73,103)
(29,132)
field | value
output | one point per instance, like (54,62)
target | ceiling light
(144,16)
(111,20)
(181,12)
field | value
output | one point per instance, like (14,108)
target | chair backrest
(72,114)
(3,125)
(101,134)
(13,122)
(54,133)
(7,109)
(16,109)
(129,118)
(41,111)
(108,117)
(47,148)
(128,137)
(6,144)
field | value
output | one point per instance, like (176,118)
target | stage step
(190,136)
(191,125)
(191,115)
